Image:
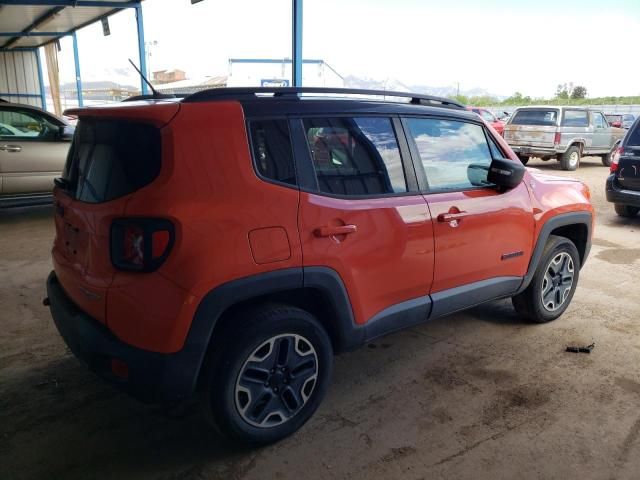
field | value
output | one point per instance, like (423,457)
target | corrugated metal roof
(57,17)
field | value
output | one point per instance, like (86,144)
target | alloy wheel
(276,380)
(557,281)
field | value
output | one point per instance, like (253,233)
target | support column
(43,96)
(141,49)
(76,60)
(296,71)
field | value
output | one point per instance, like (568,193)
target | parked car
(502,115)
(565,133)
(490,118)
(623,184)
(33,149)
(620,120)
(231,242)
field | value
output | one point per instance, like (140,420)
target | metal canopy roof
(33,23)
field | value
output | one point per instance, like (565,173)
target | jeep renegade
(230,242)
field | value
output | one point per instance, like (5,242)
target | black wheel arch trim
(562,220)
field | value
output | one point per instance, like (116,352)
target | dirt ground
(479,394)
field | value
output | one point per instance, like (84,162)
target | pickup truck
(564,133)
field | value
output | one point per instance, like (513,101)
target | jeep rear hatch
(115,152)
(533,127)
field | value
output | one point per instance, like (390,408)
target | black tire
(524,159)
(570,160)
(265,331)
(626,210)
(530,303)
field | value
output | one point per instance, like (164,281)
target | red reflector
(159,242)
(119,368)
(556,138)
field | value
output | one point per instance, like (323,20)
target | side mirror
(505,173)
(616,124)
(66,132)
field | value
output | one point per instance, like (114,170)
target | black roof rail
(239,93)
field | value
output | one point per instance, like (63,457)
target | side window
(272,150)
(355,156)
(598,121)
(455,154)
(575,118)
(17,124)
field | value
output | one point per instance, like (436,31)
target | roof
(33,23)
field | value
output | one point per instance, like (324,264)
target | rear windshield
(545,117)
(111,158)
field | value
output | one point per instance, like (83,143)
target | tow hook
(46,302)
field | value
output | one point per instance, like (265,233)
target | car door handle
(335,230)
(11,148)
(450,217)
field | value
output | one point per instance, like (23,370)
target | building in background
(168,76)
(269,72)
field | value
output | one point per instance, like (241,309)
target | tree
(562,91)
(579,92)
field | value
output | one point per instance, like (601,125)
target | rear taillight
(141,244)
(556,138)
(615,159)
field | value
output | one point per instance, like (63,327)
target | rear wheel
(570,159)
(268,374)
(626,210)
(524,159)
(553,284)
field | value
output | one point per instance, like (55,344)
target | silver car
(564,133)
(33,150)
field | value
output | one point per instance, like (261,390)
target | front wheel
(524,159)
(268,374)
(606,159)
(554,282)
(570,159)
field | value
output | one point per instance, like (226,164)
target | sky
(502,46)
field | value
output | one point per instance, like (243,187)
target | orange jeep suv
(230,242)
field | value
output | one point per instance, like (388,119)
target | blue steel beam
(43,97)
(76,61)
(296,32)
(71,3)
(20,95)
(141,49)
(32,34)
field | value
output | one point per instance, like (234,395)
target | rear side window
(272,150)
(455,155)
(355,156)
(575,118)
(111,158)
(544,117)
(633,137)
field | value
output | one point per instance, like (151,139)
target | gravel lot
(479,394)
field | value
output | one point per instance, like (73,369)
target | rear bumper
(535,151)
(615,194)
(152,376)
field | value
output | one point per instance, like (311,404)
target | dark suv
(623,185)
(231,242)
